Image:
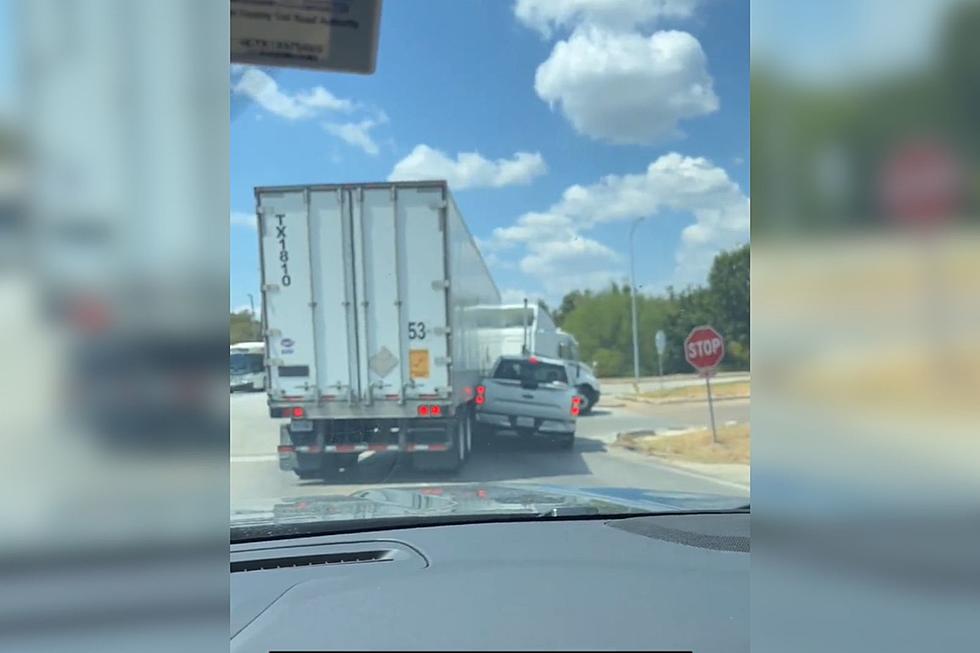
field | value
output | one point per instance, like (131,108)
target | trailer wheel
(468,420)
(445,461)
(332,464)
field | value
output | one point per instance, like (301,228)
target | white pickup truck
(529,396)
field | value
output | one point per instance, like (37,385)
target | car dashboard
(664,582)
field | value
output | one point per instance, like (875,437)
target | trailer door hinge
(444,360)
(442,331)
(440,284)
(273,362)
(441,204)
(273,332)
(270,287)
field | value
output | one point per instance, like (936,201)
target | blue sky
(645,110)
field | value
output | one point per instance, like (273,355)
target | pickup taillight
(576,405)
(481,395)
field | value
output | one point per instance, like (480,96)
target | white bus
(247,366)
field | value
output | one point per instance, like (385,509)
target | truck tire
(589,399)
(446,461)
(567,442)
(331,466)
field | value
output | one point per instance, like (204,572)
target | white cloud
(624,87)
(546,16)
(242,219)
(263,89)
(469,169)
(565,264)
(560,257)
(357,134)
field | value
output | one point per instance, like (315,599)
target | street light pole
(251,302)
(636,341)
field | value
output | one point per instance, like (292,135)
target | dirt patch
(733,445)
(729,390)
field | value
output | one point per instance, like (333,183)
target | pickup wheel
(588,399)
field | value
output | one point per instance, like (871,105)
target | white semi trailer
(370,344)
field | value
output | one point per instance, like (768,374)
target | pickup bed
(530,397)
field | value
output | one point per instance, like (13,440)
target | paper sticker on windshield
(317,34)
(419,363)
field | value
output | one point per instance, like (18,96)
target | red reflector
(533,360)
(482,494)
(297,412)
(480,400)
(469,391)
(436,491)
(481,389)
(285,448)
(436,411)
(423,410)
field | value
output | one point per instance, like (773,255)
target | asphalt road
(255,474)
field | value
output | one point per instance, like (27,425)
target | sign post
(661,341)
(704,349)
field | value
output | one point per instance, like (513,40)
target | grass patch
(722,390)
(733,445)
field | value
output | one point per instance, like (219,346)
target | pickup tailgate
(544,402)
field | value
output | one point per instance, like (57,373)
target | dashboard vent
(339,558)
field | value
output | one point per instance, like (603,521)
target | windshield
(580,172)
(243,363)
(525,370)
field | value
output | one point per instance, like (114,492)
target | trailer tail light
(435,411)
(481,395)
(576,406)
(423,411)
(297,411)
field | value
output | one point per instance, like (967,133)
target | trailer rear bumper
(304,450)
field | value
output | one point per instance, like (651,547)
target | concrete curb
(696,470)
(657,402)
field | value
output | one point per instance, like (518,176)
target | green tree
(602,323)
(729,284)
(243,328)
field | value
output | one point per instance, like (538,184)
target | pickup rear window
(521,370)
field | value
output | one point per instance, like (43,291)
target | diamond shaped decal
(383,362)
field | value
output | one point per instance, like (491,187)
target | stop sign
(704,348)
